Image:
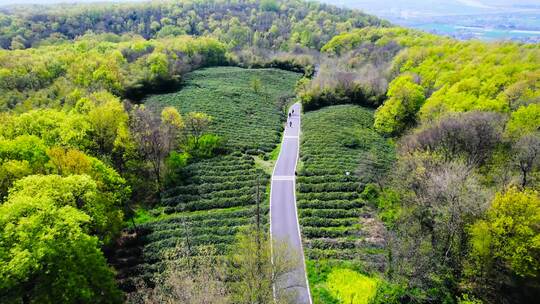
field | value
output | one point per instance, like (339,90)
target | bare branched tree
(527,156)
(155,137)
(255,270)
(444,197)
(472,135)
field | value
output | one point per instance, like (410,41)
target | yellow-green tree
(405,97)
(47,254)
(509,237)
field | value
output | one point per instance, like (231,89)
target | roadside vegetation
(341,232)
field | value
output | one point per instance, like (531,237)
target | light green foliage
(203,147)
(257,266)
(196,124)
(234,23)
(43,76)
(525,120)
(67,162)
(19,157)
(468,76)
(509,236)
(106,118)
(24,148)
(456,76)
(46,254)
(78,191)
(171,117)
(351,287)
(405,97)
(142,216)
(344,42)
(170,30)
(251,268)
(55,128)
(244,119)
(386,201)
(177,161)
(318,271)
(159,66)
(466,299)
(256,85)
(27,154)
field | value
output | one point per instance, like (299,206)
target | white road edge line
(270,219)
(296,209)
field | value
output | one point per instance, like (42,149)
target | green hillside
(211,199)
(337,161)
(247,118)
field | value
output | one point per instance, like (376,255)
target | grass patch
(142,216)
(275,153)
(349,286)
(266,165)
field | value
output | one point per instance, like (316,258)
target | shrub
(203,147)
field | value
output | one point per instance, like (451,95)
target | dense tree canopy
(268,24)
(47,253)
(452,76)
(83,75)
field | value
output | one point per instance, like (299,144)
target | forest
(137,142)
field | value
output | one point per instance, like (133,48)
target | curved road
(283,214)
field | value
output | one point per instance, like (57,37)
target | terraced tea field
(246,118)
(339,153)
(215,197)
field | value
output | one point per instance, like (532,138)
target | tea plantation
(340,152)
(247,118)
(213,198)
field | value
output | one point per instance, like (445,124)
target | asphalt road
(283,214)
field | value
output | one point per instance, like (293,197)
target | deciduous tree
(47,255)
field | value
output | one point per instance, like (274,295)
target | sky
(425,8)
(8,2)
(386,7)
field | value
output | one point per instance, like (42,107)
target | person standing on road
(289,114)
(290,124)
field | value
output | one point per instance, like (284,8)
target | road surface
(283,214)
